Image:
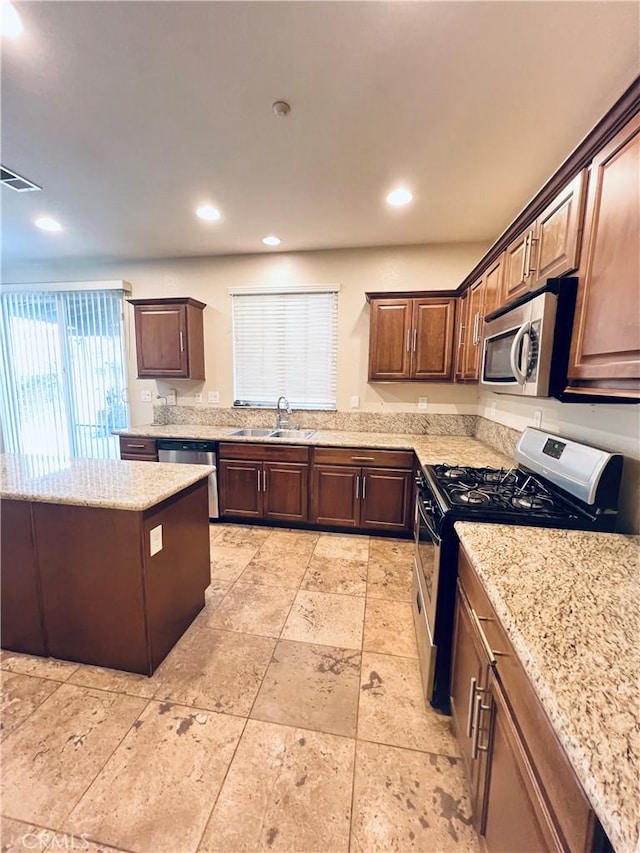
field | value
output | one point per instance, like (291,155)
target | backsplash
(496,435)
(391,422)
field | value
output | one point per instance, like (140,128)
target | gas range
(555,482)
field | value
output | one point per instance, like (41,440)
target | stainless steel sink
(292,433)
(254,432)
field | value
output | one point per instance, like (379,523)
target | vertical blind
(62,372)
(285,343)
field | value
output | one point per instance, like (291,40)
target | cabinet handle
(415,339)
(358,488)
(491,653)
(258,480)
(476,325)
(460,334)
(264,481)
(407,342)
(364,486)
(472,696)
(523,272)
(531,269)
(475,740)
(181,342)
(141,446)
(363,458)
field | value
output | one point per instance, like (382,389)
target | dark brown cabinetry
(605,347)
(362,489)
(411,337)
(138,449)
(264,481)
(483,297)
(550,246)
(169,338)
(525,795)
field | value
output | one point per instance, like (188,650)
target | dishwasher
(193,453)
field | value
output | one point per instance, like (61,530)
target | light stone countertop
(430,449)
(108,483)
(569,602)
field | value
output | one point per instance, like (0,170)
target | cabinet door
(473,337)
(285,487)
(492,287)
(161,341)
(469,671)
(385,498)
(460,336)
(240,488)
(558,233)
(605,346)
(390,339)
(516,261)
(432,339)
(516,816)
(335,495)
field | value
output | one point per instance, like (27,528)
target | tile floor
(288,717)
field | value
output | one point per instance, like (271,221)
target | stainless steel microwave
(526,344)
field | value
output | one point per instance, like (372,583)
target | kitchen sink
(292,433)
(254,432)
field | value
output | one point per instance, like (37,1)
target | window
(62,371)
(285,342)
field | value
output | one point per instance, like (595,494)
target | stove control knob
(428,505)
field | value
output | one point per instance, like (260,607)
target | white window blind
(62,372)
(285,343)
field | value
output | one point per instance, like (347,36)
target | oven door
(427,557)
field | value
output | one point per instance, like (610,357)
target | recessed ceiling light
(10,23)
(271,241)
(208,212)
(46,223)
(399,196)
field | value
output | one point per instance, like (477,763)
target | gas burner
(500,478)
(473,496)
(454,473)
(531,502)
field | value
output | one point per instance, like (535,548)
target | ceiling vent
(16,182)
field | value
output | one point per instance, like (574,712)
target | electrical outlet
(145,396)
(422,402)
(355,401)
(537,417)
(214,396)
(171,397)
(198,398)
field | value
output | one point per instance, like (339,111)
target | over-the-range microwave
(526,343)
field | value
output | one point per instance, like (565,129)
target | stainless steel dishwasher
(193,453)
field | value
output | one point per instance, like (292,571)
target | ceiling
(131,114)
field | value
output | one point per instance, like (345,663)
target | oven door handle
(427,522)
(519,376)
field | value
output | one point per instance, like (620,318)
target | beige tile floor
(288,717)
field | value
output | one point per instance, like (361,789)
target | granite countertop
(430,449)
(569,602)
(106,483)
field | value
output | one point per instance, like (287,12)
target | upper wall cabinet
(551,246)
(411,337)
(605,347)
(483,298)
(169,338)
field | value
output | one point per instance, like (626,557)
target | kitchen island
(103,561)
(567,601)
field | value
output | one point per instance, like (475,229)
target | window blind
(285,343)
(62,372)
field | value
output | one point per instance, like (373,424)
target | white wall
(434,267)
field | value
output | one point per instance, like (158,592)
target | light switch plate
(145,396)
(537,417)
(199,398)
(155,540)
(423,402)
(171,397)
(355,401)
(214,396)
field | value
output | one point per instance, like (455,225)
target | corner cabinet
(524,793)
(411,337)
(605,347)
(169,338)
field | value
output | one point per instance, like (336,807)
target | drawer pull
(141,446)
(472,696)
(475,741)
(485,642)
(363,458)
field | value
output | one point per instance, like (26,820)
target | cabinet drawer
(132,446)
(563,790)
(264,452)
(363,456)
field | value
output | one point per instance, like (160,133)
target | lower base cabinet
(524,793)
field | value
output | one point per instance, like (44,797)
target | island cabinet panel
(525,794)
(22,623)
(92,592)
(176,577)
(605,346)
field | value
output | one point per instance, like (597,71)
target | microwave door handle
(519,376)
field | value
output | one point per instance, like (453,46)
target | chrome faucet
(283,409)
